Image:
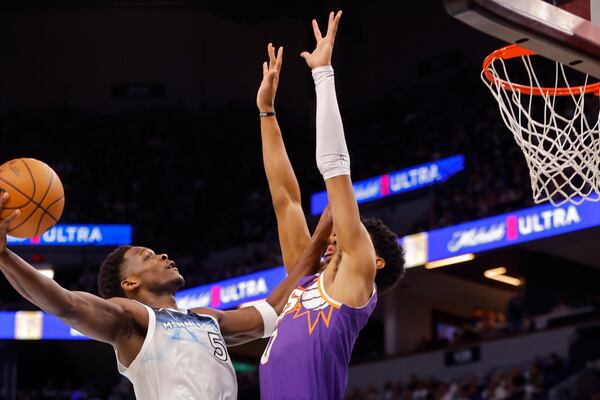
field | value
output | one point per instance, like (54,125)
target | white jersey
(183,357)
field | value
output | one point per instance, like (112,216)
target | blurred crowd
(488,324)
(192,182)
(457,118)
(532,382)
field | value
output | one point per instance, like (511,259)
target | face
(331,248)
(143,268)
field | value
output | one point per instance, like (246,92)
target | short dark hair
(387,247)
(109,276)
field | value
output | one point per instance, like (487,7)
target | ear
(130,285)
(379,262)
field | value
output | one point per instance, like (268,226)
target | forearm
(333,158)
(285,192)
(35,287)
(332,153)
(283,184)
(309,262)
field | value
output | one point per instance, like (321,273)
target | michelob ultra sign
(405,180)
(511,228)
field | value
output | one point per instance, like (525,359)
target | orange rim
(514,51)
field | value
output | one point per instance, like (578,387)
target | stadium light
(499,274)
(450,261)
(49,272)
(44,268)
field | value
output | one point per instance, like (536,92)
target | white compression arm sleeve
(332,153)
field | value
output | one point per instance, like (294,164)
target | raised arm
(283,185)
(246,324)
(357,267)
(97,318)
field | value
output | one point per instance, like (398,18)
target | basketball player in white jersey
(167,353)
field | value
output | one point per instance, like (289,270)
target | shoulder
(211,312)
(132,311)
(127,305)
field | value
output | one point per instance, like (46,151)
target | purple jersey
(308,354)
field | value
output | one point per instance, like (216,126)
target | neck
(155,300)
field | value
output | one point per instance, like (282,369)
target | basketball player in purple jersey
(308,354)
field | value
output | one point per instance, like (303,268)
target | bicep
(97,318)
(356,270)
(358,263)
(351,235)
(346,218)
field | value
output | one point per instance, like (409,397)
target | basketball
(37,191)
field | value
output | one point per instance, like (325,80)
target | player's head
(390,256)
(128,270)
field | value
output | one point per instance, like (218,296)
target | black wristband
(266,114)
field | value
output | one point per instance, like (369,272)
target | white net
(559,135)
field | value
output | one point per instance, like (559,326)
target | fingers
(305,54)
(279,59)
(316,30)
(265,69)
(272,58)
(332,26)
(275,61)
(330,19)
(7,221)
(3,199)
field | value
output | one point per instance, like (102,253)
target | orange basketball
(36,190)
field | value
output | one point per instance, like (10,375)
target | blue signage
(471,237)
(54,328)
(231,293)
(405,180)
(7,325)
(35,325)
(511,228)
(79,235)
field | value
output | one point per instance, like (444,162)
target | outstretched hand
(265,98)
(321,55)
(5,223)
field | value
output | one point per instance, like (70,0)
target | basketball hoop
(555,127)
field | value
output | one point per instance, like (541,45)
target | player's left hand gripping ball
(35,190)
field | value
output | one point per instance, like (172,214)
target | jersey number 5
(217,343)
